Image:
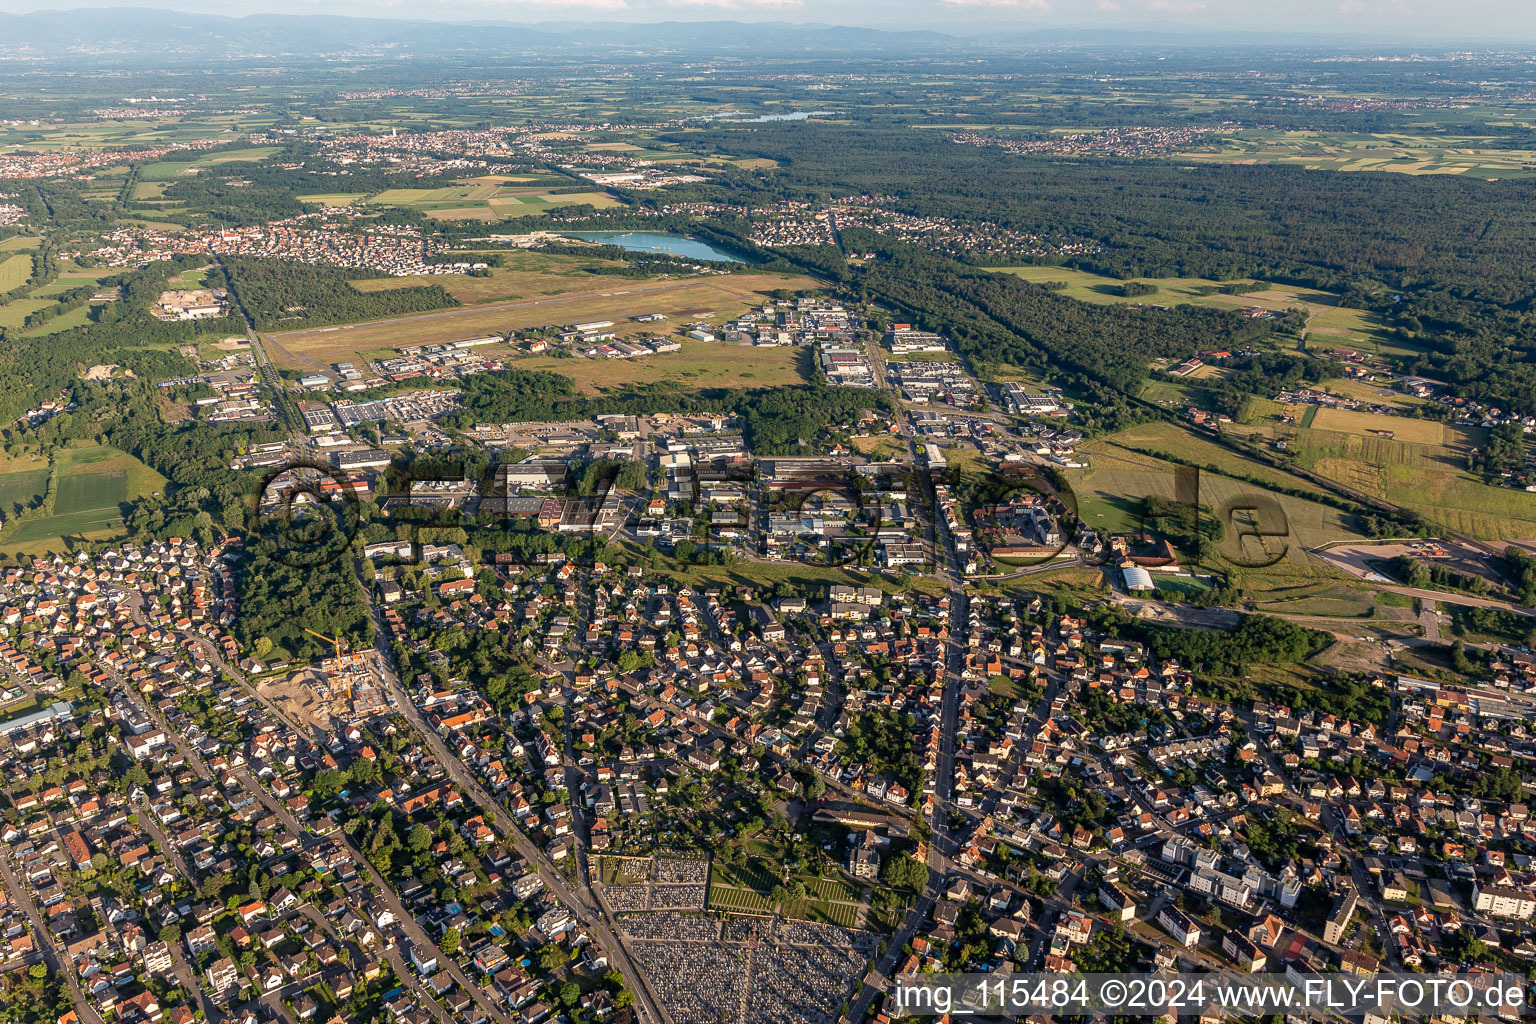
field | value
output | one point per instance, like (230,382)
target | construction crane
(337,645)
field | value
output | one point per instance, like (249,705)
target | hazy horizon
(1485,21)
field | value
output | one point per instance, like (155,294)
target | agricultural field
(14,271)
(1430,479)
(77,317)
(92,484)
(1160,437)
(19,243)
(712,297)
(1399,428)
(71,279)
(333,198)
(1479,156)
(14,313)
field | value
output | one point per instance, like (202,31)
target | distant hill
(156,34)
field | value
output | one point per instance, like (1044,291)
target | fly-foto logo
(871,516)
(306,514)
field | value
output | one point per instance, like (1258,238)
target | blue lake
(657,241)
(799,115)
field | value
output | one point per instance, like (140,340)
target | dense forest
(1441,257)
(1258,639)
(1001,322)
(278,294)
(278,602)
(36,368)
(776,421)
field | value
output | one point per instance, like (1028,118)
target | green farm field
(1478,156)
(1158,437)
(487,200)
(92,485)
(21,487)
(1430,479)
(14,271)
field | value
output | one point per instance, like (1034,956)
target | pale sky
(1495,21)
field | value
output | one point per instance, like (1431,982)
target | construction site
(344,688)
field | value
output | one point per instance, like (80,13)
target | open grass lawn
(171,170)
(1339,326)
(748,876)
(879,447)
(700,364)
(18,243)
(844,914)
(620,870)
(745,900)
(13,314)
(714,297)
(1333,601)
(1183,394)
(1109,499)
(524,276)
(14,271)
